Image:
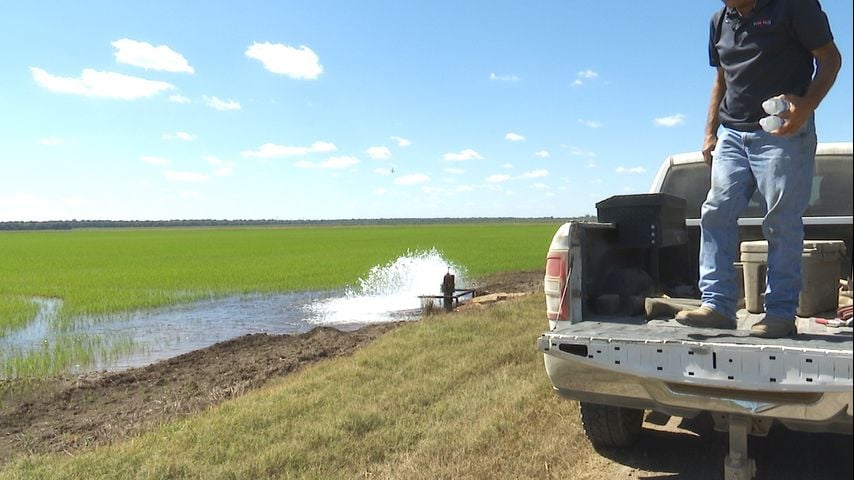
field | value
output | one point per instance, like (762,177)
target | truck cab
(610,348)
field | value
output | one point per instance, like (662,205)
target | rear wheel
(608,426)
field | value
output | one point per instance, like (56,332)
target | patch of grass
(453,396)
(67,353)
(15,312)
(98,272)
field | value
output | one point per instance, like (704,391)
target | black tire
(608,426)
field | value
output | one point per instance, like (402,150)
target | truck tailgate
(662,365)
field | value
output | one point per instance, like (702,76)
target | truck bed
(811,335)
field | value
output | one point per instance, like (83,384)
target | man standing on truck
(761,49)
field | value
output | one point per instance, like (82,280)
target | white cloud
(154,160)
(671,121)
(223,171)
(149,57)
(333,163)
(221,105)
(380,191)
(271,150)
(461,156)
(21,202)
(536,173)
(508,165)
(590,123)
(299,63)
(543,154)
(25,206)
(51,142)
(189,177)
(540,186)
(179,99)
(93,83)
(402,142)
(503,77)
(578,152)
(583,75)
(340,162)
(465,188)
(383,171)
(497,178)
(222,168)
(630,170)
(454,171)
(379,153)
(413,179)
(514,137)
(179,136)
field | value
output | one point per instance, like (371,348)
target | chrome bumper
(636,382)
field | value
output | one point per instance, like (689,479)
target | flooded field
(114,342)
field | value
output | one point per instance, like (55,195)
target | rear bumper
(636,381)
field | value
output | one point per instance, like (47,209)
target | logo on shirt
(762,23)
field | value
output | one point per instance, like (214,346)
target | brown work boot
(705,317)
(773,326)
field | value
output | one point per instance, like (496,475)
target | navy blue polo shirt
(765,54)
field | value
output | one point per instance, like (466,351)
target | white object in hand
(771,123)
(775,106)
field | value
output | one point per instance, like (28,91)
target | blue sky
(341,109)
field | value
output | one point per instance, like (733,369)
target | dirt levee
(65,414)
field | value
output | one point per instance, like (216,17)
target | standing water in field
(387,293)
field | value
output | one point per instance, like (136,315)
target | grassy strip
(66,354)
(15,312)
(456,396)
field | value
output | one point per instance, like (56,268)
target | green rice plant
(67,353)
(98,272)
(15,312)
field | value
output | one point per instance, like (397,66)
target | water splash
(389,292)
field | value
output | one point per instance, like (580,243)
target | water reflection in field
(387,293)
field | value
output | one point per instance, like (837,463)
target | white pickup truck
(606,349)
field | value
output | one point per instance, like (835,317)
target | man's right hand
(708,147)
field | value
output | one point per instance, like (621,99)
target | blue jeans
(782,169)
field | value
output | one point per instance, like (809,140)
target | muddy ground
(69,413)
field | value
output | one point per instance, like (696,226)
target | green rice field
(96,272)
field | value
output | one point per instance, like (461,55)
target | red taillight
(554,285)
(556,265)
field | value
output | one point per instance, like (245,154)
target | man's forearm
(828,63)
(710,139)
(717,96)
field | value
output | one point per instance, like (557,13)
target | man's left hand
(797,115)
